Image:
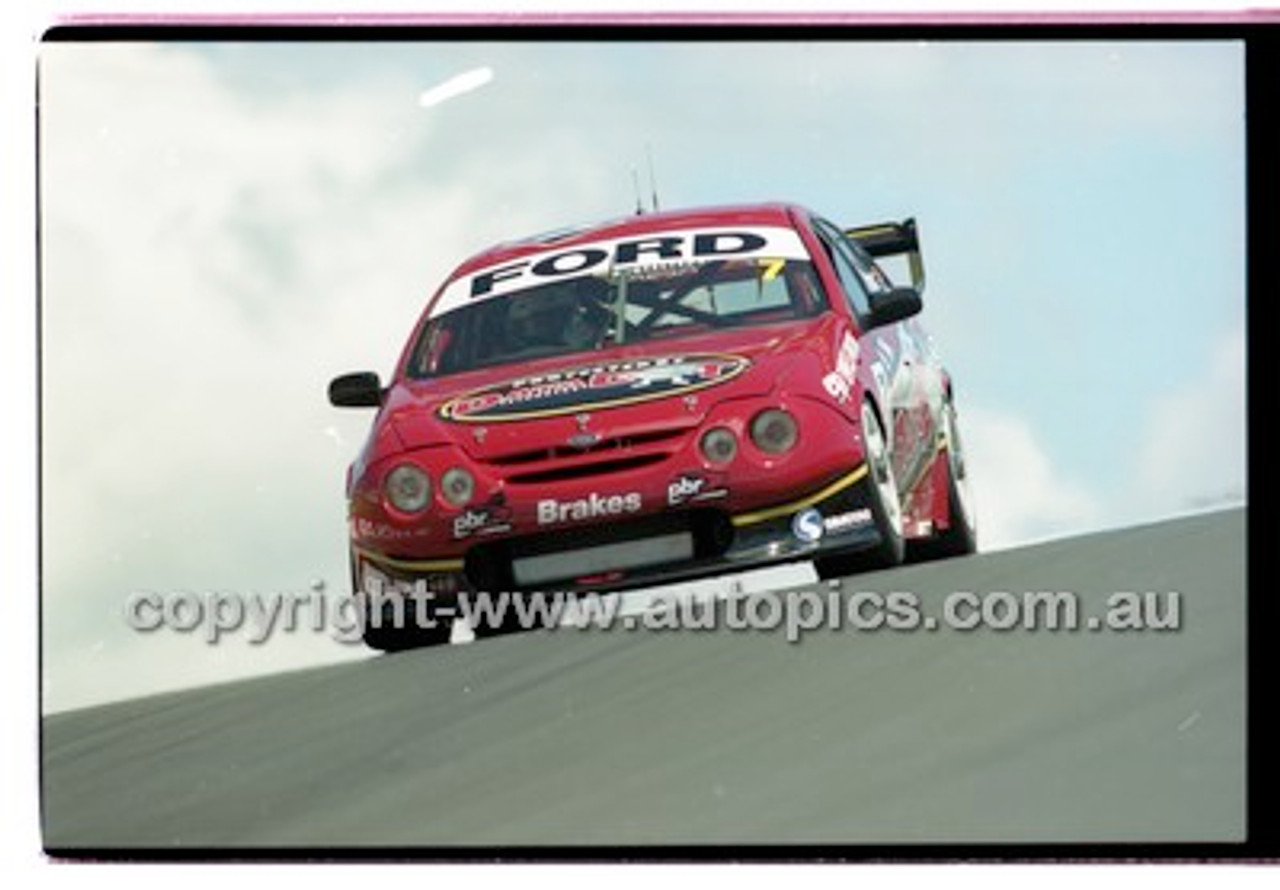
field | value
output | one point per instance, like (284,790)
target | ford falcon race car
(660,397)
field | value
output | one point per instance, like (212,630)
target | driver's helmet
(558,318)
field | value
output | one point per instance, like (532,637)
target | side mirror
(895,305)
(360,390)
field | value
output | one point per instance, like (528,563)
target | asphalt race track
(578,738)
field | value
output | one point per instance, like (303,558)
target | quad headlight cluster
(774,431)
(408,488)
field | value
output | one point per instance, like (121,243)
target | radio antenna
(635,182)
(653,182)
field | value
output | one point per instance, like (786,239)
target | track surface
(572,738)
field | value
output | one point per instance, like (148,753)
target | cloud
(211,256)
(1193,453)
(458,85)
(1018,493)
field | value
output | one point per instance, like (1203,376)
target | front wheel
(881,488)
(390,626)
(396,632)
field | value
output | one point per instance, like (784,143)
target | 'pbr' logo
(479,521)
(684,489)
(692,487)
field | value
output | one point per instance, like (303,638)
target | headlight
(408,488)
(774,431)
(719,445)
(457,486)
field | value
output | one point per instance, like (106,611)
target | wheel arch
(870,398)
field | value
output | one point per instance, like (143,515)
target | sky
(226,226)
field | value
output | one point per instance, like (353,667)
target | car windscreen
(591,312)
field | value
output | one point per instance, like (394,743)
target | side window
(873,277)
(842,257)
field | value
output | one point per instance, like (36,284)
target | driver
(564,317)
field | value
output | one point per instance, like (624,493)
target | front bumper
(673,546)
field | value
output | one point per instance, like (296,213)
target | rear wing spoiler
(893,239)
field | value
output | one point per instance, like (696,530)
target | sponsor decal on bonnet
(593,386)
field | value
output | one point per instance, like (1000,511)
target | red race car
(655,398)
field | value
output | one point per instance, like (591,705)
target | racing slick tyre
(390,638)
(511,622)
(960,537)
(881,487)
(392,632)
